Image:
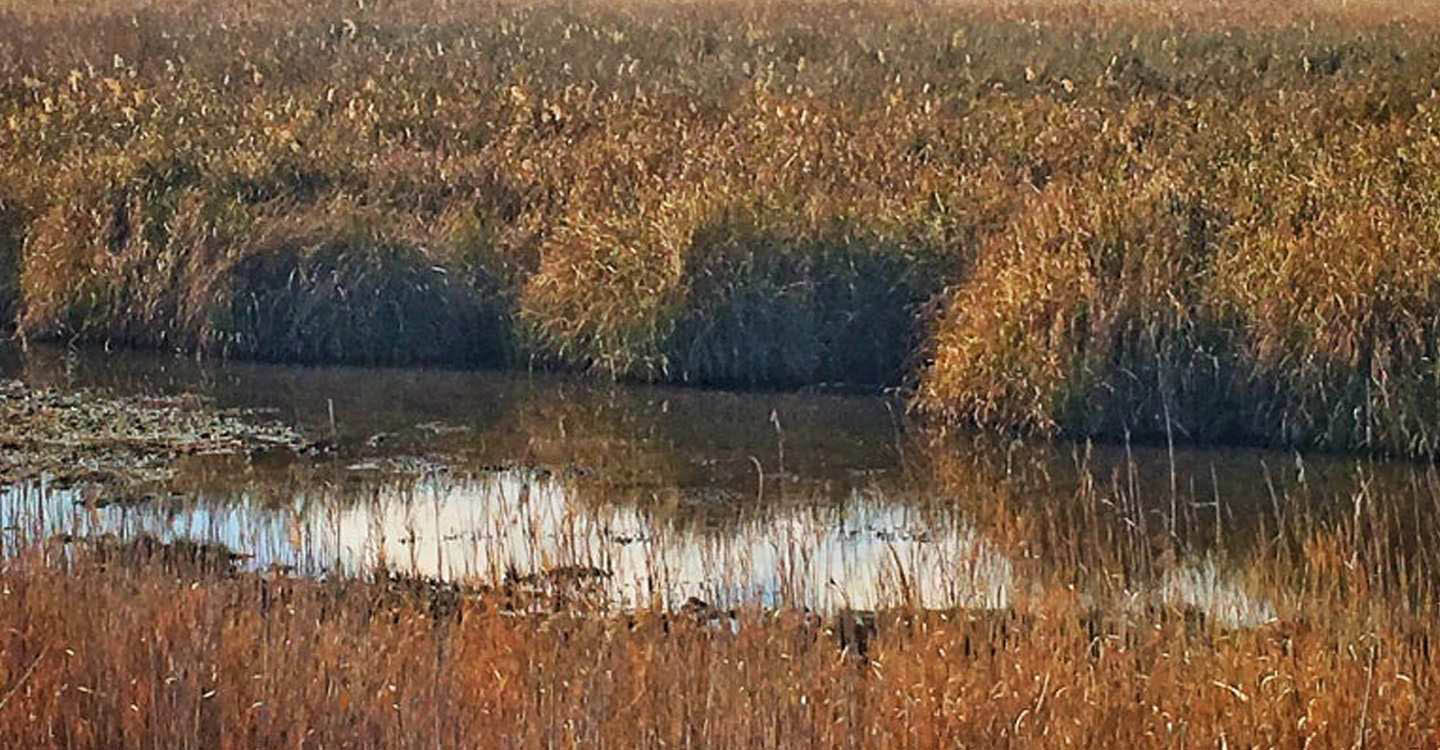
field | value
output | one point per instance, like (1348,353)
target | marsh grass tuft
(348,287)
(695,290)
(1088,315)
(173,262)
(1279,296)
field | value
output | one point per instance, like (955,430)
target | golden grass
(1084,315)
(175,654)
(1160,217)
(1283,296)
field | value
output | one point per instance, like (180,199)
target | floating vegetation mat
(80,435)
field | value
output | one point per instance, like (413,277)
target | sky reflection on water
(870,552)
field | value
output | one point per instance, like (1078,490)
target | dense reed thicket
(173,650)
(1141,218)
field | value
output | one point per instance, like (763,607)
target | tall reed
(1222,206)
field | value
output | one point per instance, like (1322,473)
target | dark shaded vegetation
(11,237)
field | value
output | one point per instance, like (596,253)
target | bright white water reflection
(1203,585)
(872,551)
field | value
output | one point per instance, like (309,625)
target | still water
(657,495)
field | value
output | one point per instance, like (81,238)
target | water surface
(824,500)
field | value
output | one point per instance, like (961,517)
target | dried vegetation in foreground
(1138,218)
(174,648)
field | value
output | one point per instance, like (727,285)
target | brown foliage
(1227,210)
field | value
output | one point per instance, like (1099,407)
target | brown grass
(1085,314)
(168,652)
(1278,295)
(1230,207)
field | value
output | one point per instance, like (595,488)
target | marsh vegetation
(1165,224)
(540,562)
(1094,219)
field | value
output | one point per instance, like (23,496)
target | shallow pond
(641,496)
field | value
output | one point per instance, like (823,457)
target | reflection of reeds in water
(1233,538)
(519,526)
(875,550)
(986,530)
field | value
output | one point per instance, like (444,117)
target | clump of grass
(788,248)
(1331,285)
(344,285)
(693,289)
(1178,294)
(154,253)
(100,261)
(1088,315)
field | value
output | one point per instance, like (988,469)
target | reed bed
(174,650)
(1147,218)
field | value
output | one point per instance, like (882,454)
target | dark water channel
(823,500)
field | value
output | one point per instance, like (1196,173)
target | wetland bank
(1169,228)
